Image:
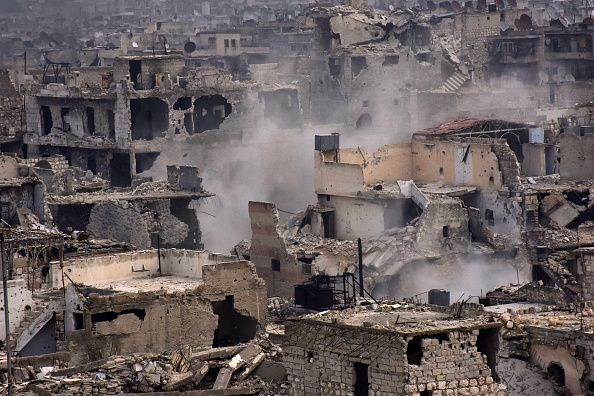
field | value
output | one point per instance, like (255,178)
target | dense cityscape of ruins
(360,197)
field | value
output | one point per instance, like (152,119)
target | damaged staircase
(33,322)
(455,82)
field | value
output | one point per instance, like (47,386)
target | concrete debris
(559,210)
(181,370)
(446,241)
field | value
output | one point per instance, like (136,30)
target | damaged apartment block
(443,198)
(115,121)
(154,213)
(440,243)
(117,305)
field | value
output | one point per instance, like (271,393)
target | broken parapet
(556,342)
(280,269)
(184,178)
(407,351)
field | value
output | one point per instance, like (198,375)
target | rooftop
(110,196)
(470,125)
(150,283)
(150,57)
(400,318)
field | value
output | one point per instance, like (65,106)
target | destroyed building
(462,177)
(115,304)
(114,121)
(468,190)
(98,311)
(11,115)
(154,213)
(403,352)
(502,61)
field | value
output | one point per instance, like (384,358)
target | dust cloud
(463,276)
(260,162)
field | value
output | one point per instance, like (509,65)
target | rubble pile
(151,187)
(555,236)
(182,370)
(393,245)
(557,263)
(546,316)
(308,244)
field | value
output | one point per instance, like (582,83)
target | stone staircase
(455,82)
(41,304)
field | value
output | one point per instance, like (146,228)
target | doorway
(361,379)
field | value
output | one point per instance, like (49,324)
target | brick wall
(57,162)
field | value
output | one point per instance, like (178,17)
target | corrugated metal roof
(470,125)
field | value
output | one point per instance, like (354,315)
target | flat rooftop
(150,283)
(553,183)
(110,196)
(402,319)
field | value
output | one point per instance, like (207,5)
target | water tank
(439,297)
(327,142)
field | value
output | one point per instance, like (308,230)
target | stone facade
(10,106)
(280,270)
(587,273)
(326,359)
(475,29)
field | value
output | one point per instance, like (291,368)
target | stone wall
(587,276)
(20,300)
(576,156)
(28,195)
(562,348)
(139,264)
(142,322)
(120,221)
(239,279)
(475,29)
(10,106)
(357,218)
(138,223)
(321,359)
(280,270)
(443,227)
(57,163)
(456,162)
(509,166)
(10,115)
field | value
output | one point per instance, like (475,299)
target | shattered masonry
(452,144)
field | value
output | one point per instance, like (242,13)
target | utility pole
(6,315)
(159,251)
(360,251)
(158,220)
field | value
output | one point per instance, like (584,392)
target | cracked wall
(274,264)
(128,333)
(321,359)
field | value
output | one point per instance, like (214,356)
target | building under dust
(344,198)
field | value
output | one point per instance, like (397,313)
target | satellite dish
(135,44)
(391,7)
